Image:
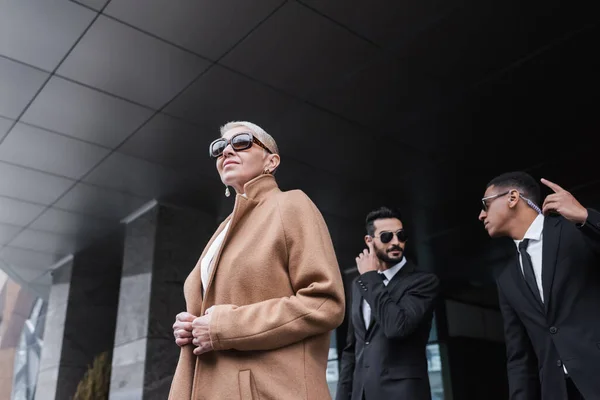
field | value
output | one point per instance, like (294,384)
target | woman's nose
(228,151)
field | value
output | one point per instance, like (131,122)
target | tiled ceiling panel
(299,51)
(41,32)
(18,85)
(206,27)
(84,113)
(51,152)
(121,60)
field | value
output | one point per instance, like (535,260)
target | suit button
(553,330)
(559,363)
(367,342)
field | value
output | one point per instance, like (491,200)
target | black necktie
(528,270)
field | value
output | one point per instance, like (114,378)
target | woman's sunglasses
(239,142)
(387,237)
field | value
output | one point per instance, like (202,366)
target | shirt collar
(389,273)
(535,230)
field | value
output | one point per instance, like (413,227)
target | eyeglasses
(530,203)
(484,201)
(387,237)
(239,142)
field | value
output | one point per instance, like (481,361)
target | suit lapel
(391,286)
(551,241)
(519,279)
(357,300)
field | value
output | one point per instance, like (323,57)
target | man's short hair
(522,181)
(380,213)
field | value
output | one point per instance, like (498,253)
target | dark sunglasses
(484,201)
(239,142)
(387,237)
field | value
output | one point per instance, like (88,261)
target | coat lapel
(194,280)
(406,269)
(357,300)
(519,279)
(551,241)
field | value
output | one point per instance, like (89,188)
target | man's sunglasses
(239,142)
(486,200)
(387,237)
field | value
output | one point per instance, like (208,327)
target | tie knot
(523,245)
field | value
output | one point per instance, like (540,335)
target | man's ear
(368,239)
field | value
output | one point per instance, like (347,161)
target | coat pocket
(247,385)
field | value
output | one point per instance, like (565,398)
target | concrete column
(162,246)
(81,317)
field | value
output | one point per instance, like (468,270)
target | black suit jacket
(540,338)
(388,360)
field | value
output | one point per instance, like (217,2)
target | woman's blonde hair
(256,130)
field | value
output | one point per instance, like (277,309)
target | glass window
(332,373)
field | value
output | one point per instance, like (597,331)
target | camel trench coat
(278,293)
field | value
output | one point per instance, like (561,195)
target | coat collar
(260,187)
(255,190)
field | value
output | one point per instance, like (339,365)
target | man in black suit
(549,292)
(391,314)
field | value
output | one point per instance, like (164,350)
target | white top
(389,274)
(207,262)
(534,249)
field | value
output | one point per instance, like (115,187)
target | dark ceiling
(106,105)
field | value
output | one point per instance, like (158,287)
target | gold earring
(227,192)
(266,172)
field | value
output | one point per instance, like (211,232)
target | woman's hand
(182,328)
(201,333)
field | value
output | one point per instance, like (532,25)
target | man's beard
(383,255)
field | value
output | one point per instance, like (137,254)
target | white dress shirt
(207,262)
(534,249)
(389,274)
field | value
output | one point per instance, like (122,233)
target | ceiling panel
(172,142)
(220,96)
(126,62)
(47,151)
(30,185)
(71,224)
(5,125)
(299,51)
(336,145)
(207,27)
(133,175)
(28,264)
(40,32)
(46,242)
(8,232)
(384,22)
(84,113)
(19,85)
(17,212)
(100,202)
(95,4)
(387,87)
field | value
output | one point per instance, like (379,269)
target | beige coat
(278,293)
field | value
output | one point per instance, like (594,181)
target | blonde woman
(267,290)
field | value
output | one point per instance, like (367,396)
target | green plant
(95,383)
